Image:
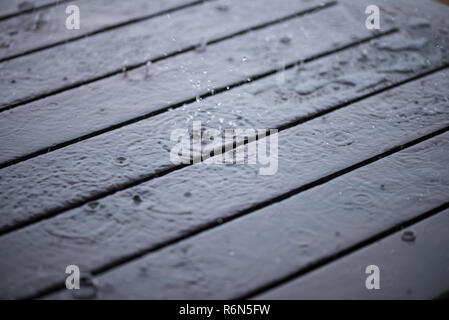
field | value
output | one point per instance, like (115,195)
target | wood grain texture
(65,66)
(75,173)
(148,89)
(150,214)
(247,253)
(408,270)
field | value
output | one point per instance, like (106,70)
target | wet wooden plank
(241,256)
(44,28)
(182,78)
(150,214)
(11,8)
(408,270)
(75,174)
(67,66)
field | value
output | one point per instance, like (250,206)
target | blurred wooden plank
(408,270)
(77,173)
(10,8)
(241,256)
(148,89)
(446,2)
(108,231)
(40,29)
(51,71)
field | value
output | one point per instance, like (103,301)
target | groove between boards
(104,29)
(165,56)
(216,90)
(208,226)
(124,186)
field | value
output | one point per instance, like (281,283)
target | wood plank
(11,8)
(241,256)
(408,270)
(77,173)
(118,99)
(43,73)
(148,215)
(90,168)
(30,32)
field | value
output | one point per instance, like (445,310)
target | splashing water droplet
(202,46)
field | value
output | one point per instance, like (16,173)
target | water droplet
(408,236)
(137,200)
(222,8)
(25,5)
(121,161)
(285,40)
(202,46)
(92,205)
(244,59)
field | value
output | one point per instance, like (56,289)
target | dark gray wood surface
(246,254)
(86,177)
(408,269)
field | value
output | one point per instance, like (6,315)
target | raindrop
(121,161)
(408,236)
(91,206)
(25,5)
(202,46)
(285,40)
(147,69)
(137,200)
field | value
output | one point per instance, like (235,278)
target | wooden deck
(363,149)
